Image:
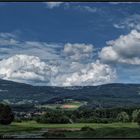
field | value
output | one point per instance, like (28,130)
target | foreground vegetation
(77,123)
(33,124)
(74,130)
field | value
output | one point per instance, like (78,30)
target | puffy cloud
(40,63)
(52,5)
(77,51)
(31,70)
(90,74)
(24,68)
(125,49)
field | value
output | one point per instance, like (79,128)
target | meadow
(111,130)
(72,105)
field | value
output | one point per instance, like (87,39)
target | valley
(81,112)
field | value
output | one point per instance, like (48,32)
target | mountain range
(108,95)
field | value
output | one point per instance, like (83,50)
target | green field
(129,130)
(33,124)
(69,106)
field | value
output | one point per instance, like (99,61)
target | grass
(75,125)
(4,129)
(118,130)
(106,133)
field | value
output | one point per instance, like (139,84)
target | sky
(70,43)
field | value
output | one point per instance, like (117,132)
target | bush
(135,115)
(123,117)
(18,120)
(96,120)
(105,120)
(53,117)
(138,119)
(85,120)
(87,128)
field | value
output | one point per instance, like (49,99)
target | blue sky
(68,44)
(62,24)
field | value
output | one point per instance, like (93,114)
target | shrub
(86,128)
(138,118)
(135,115)
(18,120)
(105,120)
(123,117)
(96,120)
(53,117)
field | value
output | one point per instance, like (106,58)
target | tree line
(81,115)
(90,116)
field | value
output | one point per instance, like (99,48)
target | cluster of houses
(28,115)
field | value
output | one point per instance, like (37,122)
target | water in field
(34,134)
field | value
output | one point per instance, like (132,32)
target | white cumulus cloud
(125,49)
(24,68)
(31,70)
(40,63)
(90,74)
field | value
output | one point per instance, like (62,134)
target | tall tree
(6,114)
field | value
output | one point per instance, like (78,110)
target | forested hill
(108,95)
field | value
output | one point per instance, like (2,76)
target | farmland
(70,105)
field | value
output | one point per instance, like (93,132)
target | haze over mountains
(108,95)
